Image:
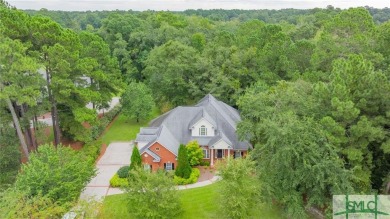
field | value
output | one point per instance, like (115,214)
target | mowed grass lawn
(197,203)
(124,129)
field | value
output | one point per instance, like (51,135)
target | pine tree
(183,167)
(136,160)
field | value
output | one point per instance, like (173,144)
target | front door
(219,153)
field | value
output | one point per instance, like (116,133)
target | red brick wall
(164,154)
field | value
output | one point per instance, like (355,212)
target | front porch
(213,155)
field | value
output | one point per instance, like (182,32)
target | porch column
(212,157)
(228,153)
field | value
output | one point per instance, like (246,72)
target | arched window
(203,131)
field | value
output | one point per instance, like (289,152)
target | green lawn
(196,203)
(124,129)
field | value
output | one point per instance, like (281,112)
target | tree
(20,83)
(9,154)
(169,69)
(350,32)
(195,153)
(136,160)
(152,195)
(183,169)
(137,101)
(59,174)
(16,203)
(295,154)
(239,189)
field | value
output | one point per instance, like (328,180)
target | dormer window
(203,131)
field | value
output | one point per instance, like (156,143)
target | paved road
(46,118)
(117,155)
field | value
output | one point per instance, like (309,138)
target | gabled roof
(156,158)
(218,138)
(202,115)
(174,126)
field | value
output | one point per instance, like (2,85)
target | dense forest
(312,86)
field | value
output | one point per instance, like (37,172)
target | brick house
(210,122)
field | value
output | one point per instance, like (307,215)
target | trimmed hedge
(92,150)
(98,129)
(123,172)
(204,163)
(195,173)
(116,181)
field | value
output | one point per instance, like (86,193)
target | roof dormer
(202,125)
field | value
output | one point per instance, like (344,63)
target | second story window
(202,131)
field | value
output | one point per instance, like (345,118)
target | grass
(197,203)
(124,129)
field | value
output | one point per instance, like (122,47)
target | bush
(205,163)
(92,150)
(195,153)
(15,203)
(123,172)
(135,160)
(239,184)
(98,129)
(152,195)
(183,169)
(56,173)
(116,181)
(195,173)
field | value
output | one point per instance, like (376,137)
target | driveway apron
(117,155)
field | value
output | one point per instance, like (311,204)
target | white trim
(154,160)
(162,146)
(208,153)
(228,146)
(200,121)
(166,166)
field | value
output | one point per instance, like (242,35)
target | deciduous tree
(152,195)
(137,101)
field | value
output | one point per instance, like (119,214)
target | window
(203,131)
(237,154)
(147,167)
(206,153)
(157,149)
(169,166)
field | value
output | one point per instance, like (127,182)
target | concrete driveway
(117,155)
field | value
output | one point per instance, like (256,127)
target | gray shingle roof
(200,115)
(173,126)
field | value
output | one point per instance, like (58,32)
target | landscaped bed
(196,203)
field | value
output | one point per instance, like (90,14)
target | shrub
(195,173)
(56,173)
(116,181)
(205,163)
(195,153)
(183,169)
(239,184)
(92,150)
(152,195)
(136,160)
(123,172)
(98,129)
(15,203)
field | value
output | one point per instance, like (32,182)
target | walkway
(117,155)
(200,184)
